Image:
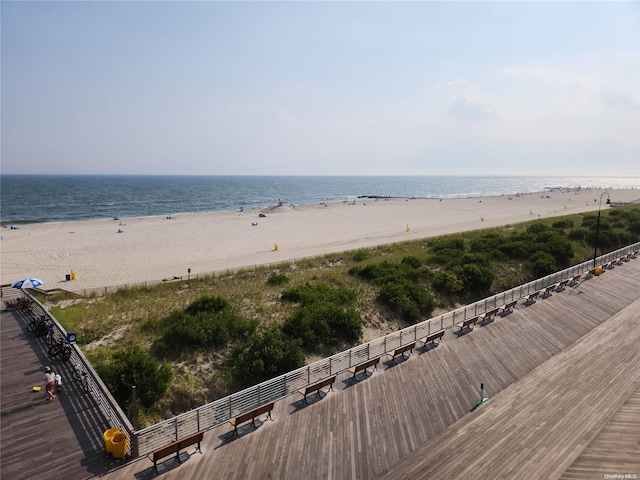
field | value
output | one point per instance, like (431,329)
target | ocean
(56,198)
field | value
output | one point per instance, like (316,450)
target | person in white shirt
(50,381)
(58,380)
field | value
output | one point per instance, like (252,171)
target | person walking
(50,381)
(58,380)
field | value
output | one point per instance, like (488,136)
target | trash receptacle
(67,277)
(119,445)
(597,271)
(108,437)
(73,275)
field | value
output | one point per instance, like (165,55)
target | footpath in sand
(134,250)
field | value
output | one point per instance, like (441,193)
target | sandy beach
(134,250)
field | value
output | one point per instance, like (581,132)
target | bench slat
(402,350)
(364,366)
(317,386)
(468,322)
(175,447)
(251,415)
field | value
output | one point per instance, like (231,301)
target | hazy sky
(321,88)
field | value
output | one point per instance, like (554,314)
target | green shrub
(554,243)
(562,224)
(322,319)
(487,243)
(320,325)
(386,272)
(360,255)
(267,354)
(410,300)
(447,283)
(475,278)
(447,243)
(134,366)
(412,261)
(515,249)
(543,264)
(209,322)
(577,234)
(276,279)
(536,228)
(208,304)
(589,221)
(477,258)
(634,227)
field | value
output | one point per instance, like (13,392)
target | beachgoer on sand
(50,381)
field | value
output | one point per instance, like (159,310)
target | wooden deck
(562,376)
(616,448)
(54,440)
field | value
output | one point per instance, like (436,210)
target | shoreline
(157,248)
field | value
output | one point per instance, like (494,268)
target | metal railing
(98,391)
(220,411)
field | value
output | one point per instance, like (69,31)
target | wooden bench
(508,308)
(433,337)
(549,290)
(531,298)
(403,350)
(562,285)
(574,280)
(468,322)
(490,314)
(364,366)
(251,415)
(175,447)
(316,387)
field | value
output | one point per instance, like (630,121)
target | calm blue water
(55,198)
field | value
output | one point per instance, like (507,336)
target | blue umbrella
(27,283)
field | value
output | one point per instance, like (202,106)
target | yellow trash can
(597,271)
(108,438)
(73,275)
(119,445)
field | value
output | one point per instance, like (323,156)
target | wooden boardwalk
(54,440)
(556,372)
(562,376)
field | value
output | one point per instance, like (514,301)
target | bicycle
(35,325)
(81,376)
(62,348)
(45,329)
(50,338)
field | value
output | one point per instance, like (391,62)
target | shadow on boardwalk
(41,439)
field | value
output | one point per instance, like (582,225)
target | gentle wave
(56,198)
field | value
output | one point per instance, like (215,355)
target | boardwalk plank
(570,356)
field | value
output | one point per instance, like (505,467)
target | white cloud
(538,72)
(466,108)
(617,96)
(456,87)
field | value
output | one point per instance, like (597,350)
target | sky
(320,88)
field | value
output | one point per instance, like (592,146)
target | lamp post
(595,252)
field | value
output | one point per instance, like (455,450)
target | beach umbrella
(27,283)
